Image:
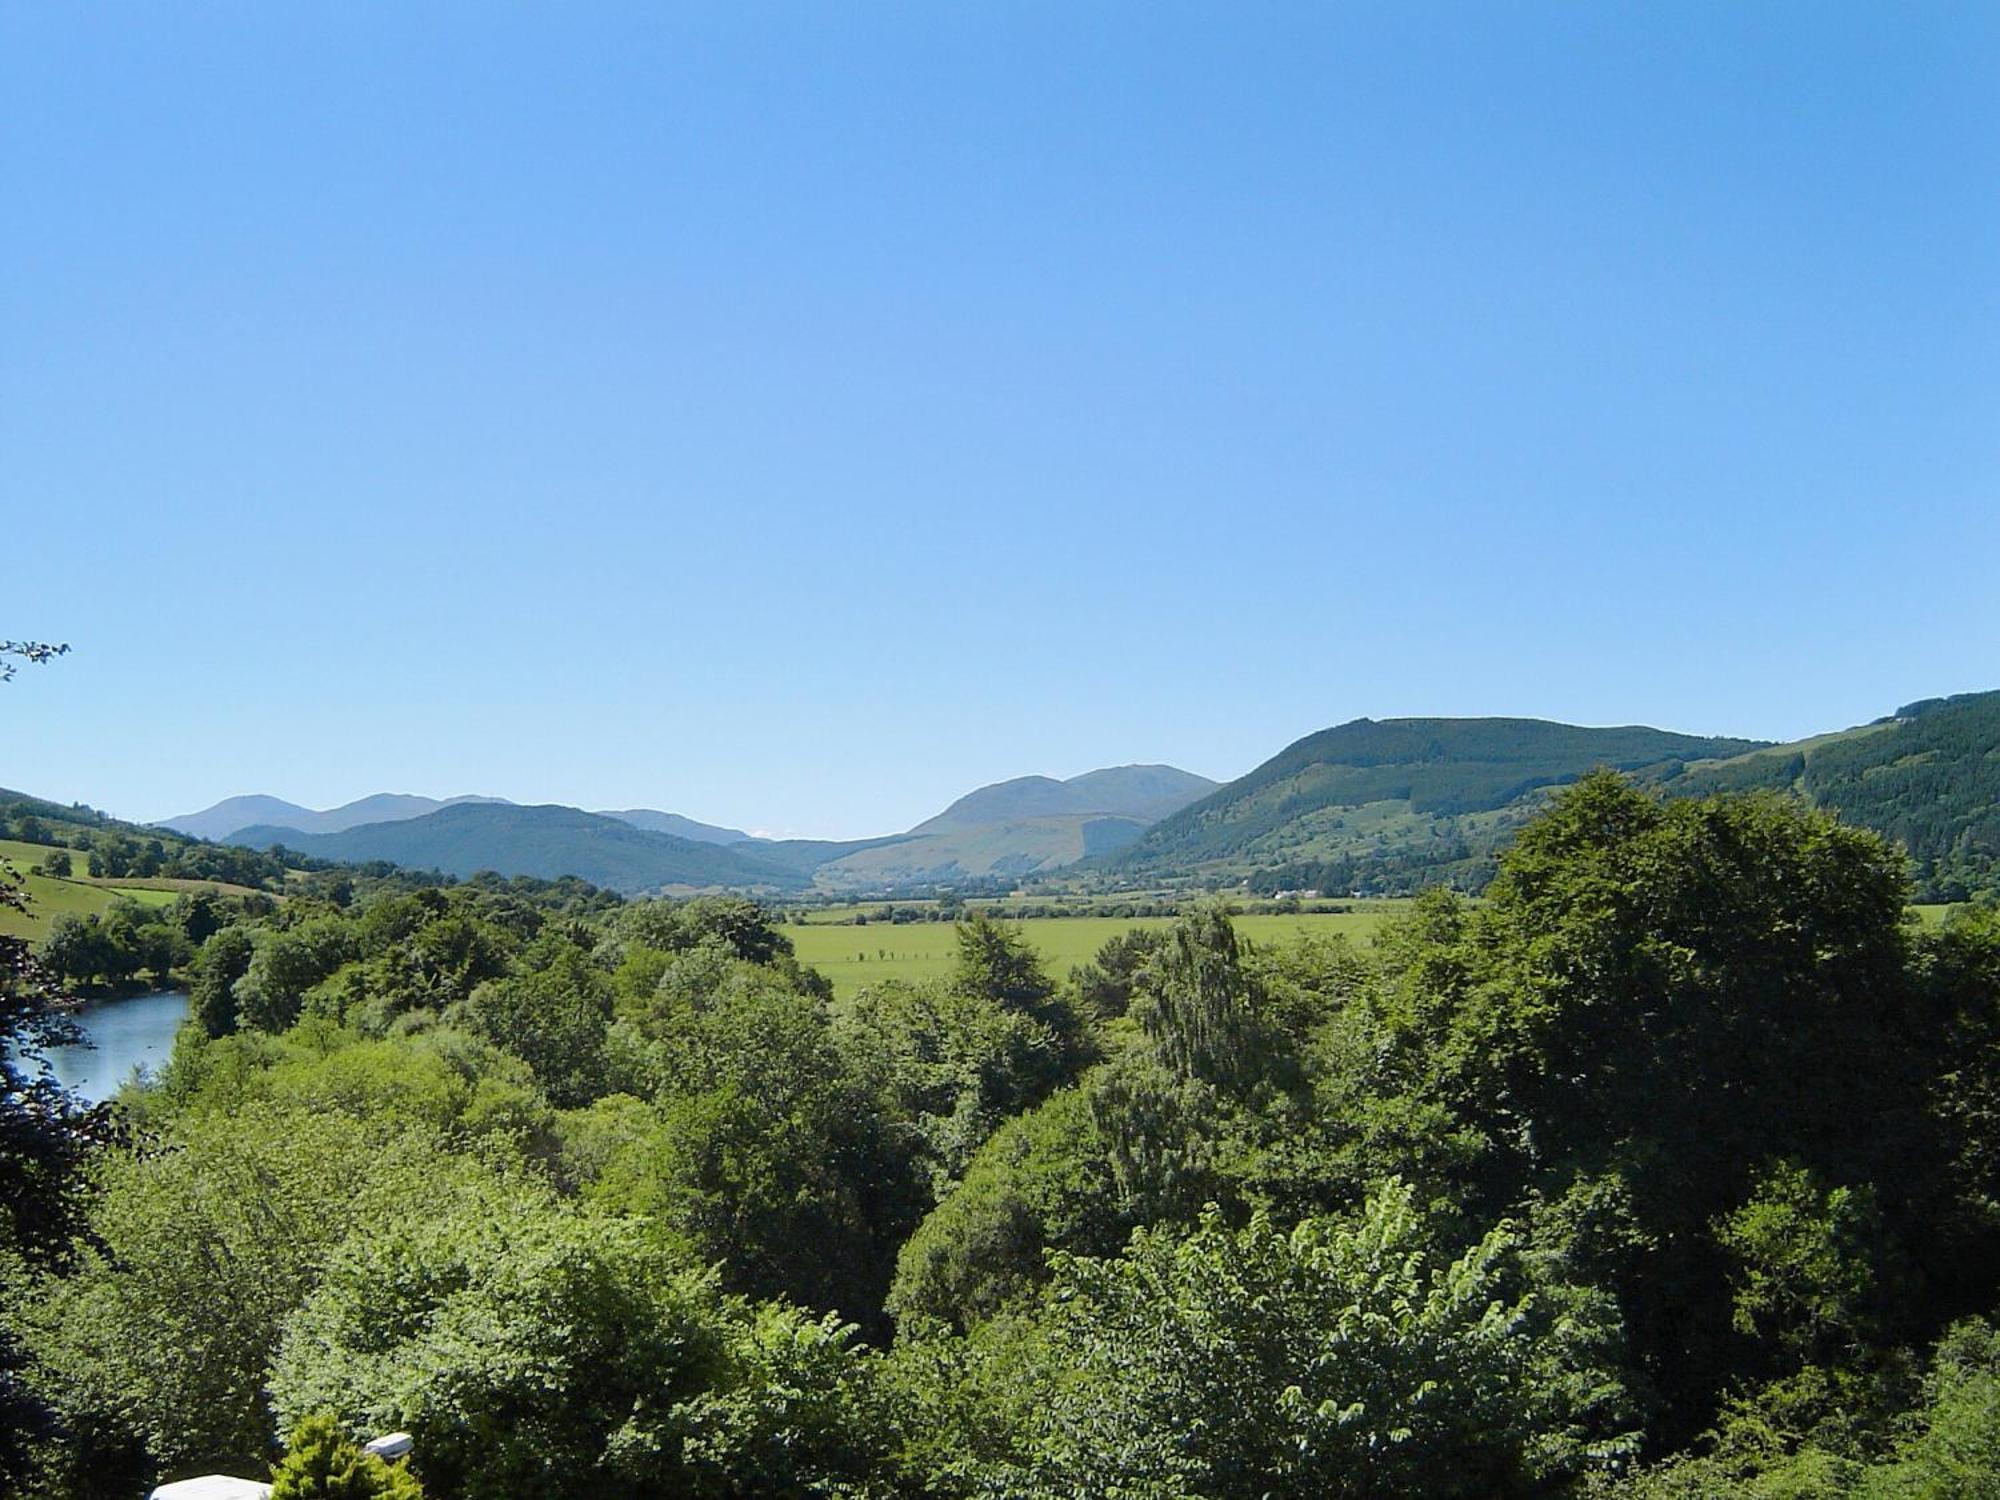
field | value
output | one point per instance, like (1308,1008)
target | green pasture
(51,898)
(853,957)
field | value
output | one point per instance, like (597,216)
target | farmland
(856,956)
(853,957)
(84,897)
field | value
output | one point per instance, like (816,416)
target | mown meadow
(853,957)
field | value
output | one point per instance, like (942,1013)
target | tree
(553,1017)
(55,864)
(998,964)
(160,947)
(541,1354)
(35,652)
(284,966)
(1678,995)
(155,1346)
(75,948)
(1043,1181)
(218,965)
(1198,1008)
(1343,1358)
(323,1463)
(46,1136)
(954,1064)
(1103,986)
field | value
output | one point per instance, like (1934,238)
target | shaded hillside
(1142,793)
(544,841)
(978,851)
(654,821)
(1928,777)
(1409,801)
(1019,827)
(804,856)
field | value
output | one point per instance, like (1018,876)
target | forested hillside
(1928,777)
(1393,805)
(1669,1169)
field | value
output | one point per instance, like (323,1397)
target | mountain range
(1375,806)
(235,815)
(464,838)
(1012,828)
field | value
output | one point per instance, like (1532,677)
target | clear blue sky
(796,415)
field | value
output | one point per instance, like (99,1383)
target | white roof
(390,1445)
(213,1487)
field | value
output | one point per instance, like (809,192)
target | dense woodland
(1668,1169)
(1930,780)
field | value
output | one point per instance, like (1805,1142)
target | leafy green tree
(739,924)
(1676,994)
(532,1352)
(1199,1009)
(154,1348)
(998,963)
(218,965)
(1042,1182)
(75,948)
(554,1017)
(1103,987)
(1960,973)
(46,1138)
(1343,1358)
(323,1463)
(1808,1260)
(1952,1451)
(770,1157)
(198,914)
(160,948)
(55,863)
(951,1062)
(284,965)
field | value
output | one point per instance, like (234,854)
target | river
(124,1034)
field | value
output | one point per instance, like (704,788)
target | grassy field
(82,897)
(853,957)
(856,956)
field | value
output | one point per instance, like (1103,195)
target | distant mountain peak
(1144,792)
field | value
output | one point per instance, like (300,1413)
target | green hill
(1928,776)
(544,841)
(977,851)
(1395,803)
(1142,794)
(1018,827)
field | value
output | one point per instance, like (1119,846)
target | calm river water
(125,1034)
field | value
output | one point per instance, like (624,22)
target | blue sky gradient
(796,415)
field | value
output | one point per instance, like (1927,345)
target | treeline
(1669,1169)
(109,849)
(130,940)
(1449,861)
